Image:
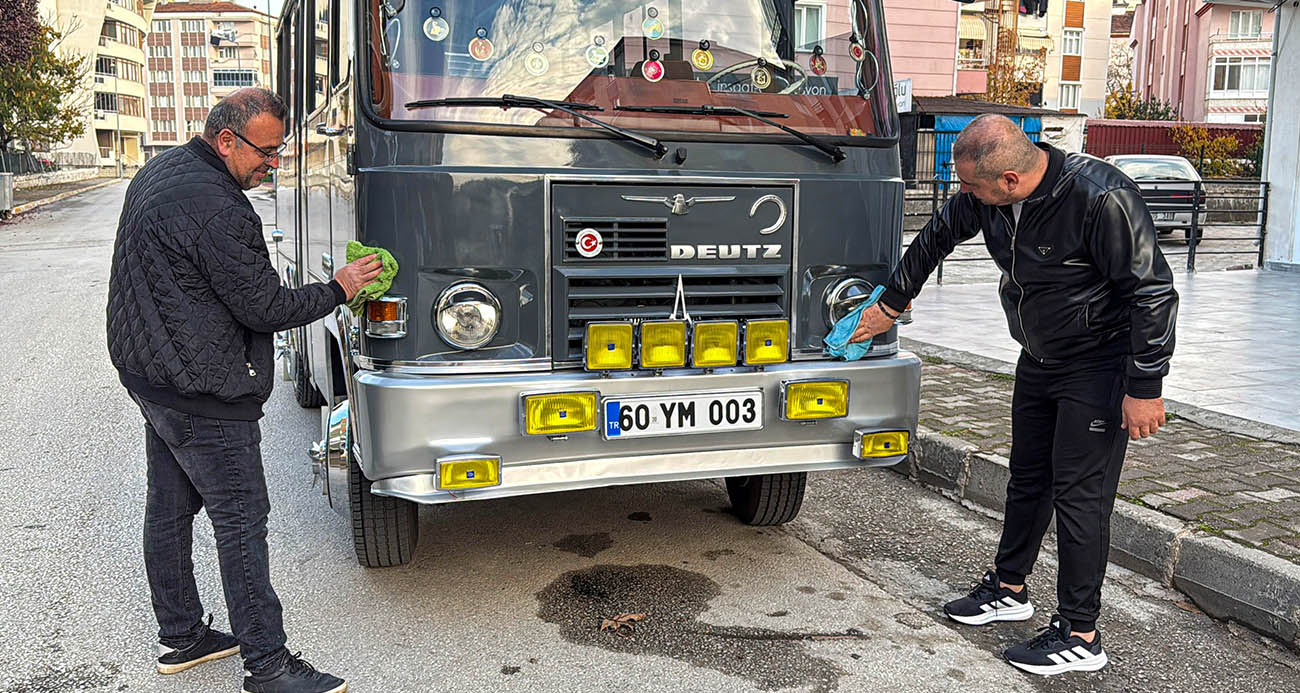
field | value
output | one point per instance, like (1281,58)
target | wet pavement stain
(807,590)
(508,671)
(585,545)
(718,553)
(673,600)
(639,517)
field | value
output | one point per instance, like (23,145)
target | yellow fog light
(663,344)
(880,444)
(823,399)
(566,412)
(609,346)
(715,344)
(460,472)
(766,342)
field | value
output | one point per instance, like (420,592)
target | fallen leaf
(621,621)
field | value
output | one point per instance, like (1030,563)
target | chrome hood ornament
(679,203)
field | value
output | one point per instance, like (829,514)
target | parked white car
(1168,184)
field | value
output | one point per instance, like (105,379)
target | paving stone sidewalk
(1232,485)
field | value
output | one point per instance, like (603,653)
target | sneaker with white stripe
(989,601)
(1054,651)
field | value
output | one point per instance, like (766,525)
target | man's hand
(358,274)
(1143,417)
(871,322)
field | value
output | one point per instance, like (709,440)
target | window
(195,127)
(105,102)
(131,106)
(321,50)
(193,26)
(105,66)
(1233,74)
(1255,117)
(809,25)
(162,26)
(196,100)
(1072,42)
(1245,23)
(194,51)
(194,76)
(164,126)
(164,101)
(161,76)
(160,51)
(234,78)
(227,53)
(1069,96)
(226,26)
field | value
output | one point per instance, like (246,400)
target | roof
(1121,25)
(204,8)
(1173,123)
(955,105)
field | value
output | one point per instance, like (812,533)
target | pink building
(1211,59)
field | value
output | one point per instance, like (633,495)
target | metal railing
(1237,206)
(24,163)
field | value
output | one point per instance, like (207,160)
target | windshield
(619,53)
(1157,169)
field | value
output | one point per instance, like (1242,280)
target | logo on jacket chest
(1044,250)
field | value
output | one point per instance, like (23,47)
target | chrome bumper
(404,423)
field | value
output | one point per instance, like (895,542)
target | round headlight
(467,315)
(845,295)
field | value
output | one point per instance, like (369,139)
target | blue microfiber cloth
(837,342)
(382,283)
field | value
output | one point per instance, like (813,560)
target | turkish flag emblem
(589,243)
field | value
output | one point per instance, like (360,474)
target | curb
(1197,415)
(1225,579)
(29,206)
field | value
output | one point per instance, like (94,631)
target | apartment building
(1211,59)
(111,32)
(198,53)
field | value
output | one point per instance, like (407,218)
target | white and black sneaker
(990,602)
(1054,651)
(211,645)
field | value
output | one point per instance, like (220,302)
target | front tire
(385,530)
(767,499)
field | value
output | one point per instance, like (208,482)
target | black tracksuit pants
(1067,449)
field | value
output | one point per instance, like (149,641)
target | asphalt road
(509,595)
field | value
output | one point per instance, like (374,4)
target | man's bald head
(996,161)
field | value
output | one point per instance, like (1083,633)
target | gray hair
(994,143)
(233,112)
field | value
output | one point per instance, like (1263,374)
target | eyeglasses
(274,153)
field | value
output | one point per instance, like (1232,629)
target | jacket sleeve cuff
(340,296)
(1144,388)
(895,300)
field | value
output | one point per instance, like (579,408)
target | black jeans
(197,462)
(1067,449)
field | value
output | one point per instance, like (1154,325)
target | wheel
(385,530)
(303,390)
(767,499)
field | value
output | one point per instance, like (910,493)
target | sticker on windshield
(536,62)
(597,53)
(856,51)
(435,27)
(652,69)
(481,48)
(589,242)
(653,27)
(701,58)
(817,63)
(762,77)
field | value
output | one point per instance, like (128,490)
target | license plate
(1163,216)
(670,415)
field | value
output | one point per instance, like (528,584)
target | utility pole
(117,108)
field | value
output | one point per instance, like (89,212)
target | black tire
(767,499)
(303,390)
(385,530)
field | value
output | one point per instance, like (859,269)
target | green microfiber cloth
(381,285)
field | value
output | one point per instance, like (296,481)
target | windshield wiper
(831,150)
(572,108)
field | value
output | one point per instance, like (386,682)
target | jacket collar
(1055,162)
(208,155)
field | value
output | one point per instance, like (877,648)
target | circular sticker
(536,64)
(436,28)
(702,59)
(597,56)
(857,52)
(762,77)
(652,70)
(653,27)
(481,49)
(589,242)
(817,64)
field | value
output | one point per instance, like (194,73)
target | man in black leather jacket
(1090,298)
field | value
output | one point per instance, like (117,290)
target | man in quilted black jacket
(193,303)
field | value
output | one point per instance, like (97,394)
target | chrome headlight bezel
(843,296)
(471,294)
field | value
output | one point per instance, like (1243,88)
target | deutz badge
(435,27)
(536,62)
(652,69)
(762,77)
(481,48)
(597,54)
(856,51)
(817,63)
(653,27)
